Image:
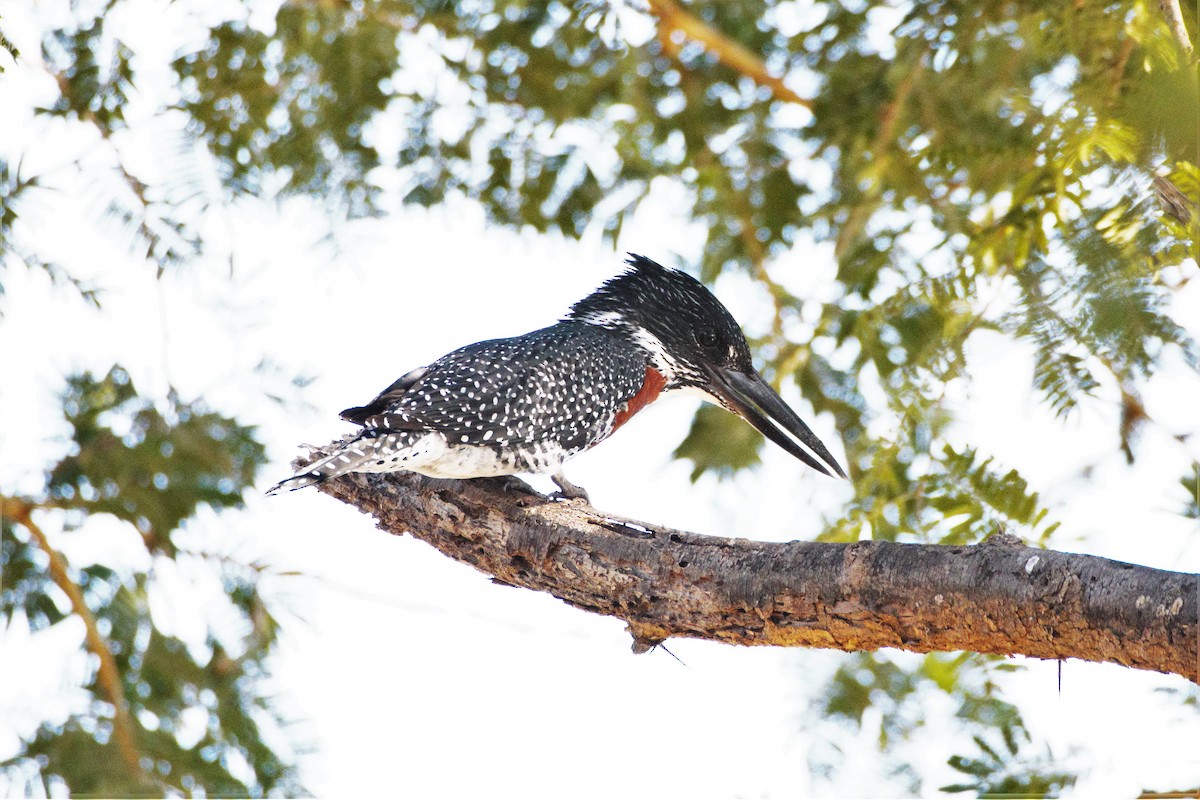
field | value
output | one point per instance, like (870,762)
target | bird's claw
(568,490)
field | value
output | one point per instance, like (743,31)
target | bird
(528,403)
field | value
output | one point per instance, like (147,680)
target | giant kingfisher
(529,403)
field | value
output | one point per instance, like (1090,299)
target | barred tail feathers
(295,482)
(353,457)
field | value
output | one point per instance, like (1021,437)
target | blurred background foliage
(161,716)
(970,166)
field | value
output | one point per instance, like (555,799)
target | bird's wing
(389,396)
(564,383)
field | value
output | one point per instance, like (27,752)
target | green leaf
(1191,487)
(148,466)
(719,442)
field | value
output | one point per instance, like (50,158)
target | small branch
(758,260)
(990,598)
(1118,70)
(157,246)
(884,139)
(1174,203)
(673,18)
(108,674)
(1174,16)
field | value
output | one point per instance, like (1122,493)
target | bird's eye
(706,338)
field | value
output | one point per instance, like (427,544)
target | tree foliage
(190,718)
(1000,762)
(970,167)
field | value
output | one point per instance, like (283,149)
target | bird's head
(696,344)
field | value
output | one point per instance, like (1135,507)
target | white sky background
(414,675)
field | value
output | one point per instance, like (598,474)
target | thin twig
(108,674)
(889,118)
(154,240)
(1118,70)
(730,53)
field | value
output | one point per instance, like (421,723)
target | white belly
(436,457)
(462,461)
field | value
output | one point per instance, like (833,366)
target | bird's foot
(568,490)
(513,485)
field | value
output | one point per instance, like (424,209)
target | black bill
(753,399)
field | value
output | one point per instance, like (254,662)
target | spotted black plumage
(528,403)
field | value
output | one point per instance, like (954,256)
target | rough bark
(998,597)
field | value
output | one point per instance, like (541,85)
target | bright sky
(410,674)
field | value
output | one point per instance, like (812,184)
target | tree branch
(157,247)
(1174,16)
(108,674)
(882,147)
(1118,70)
(672,18)
(1174,203)
(990,598)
